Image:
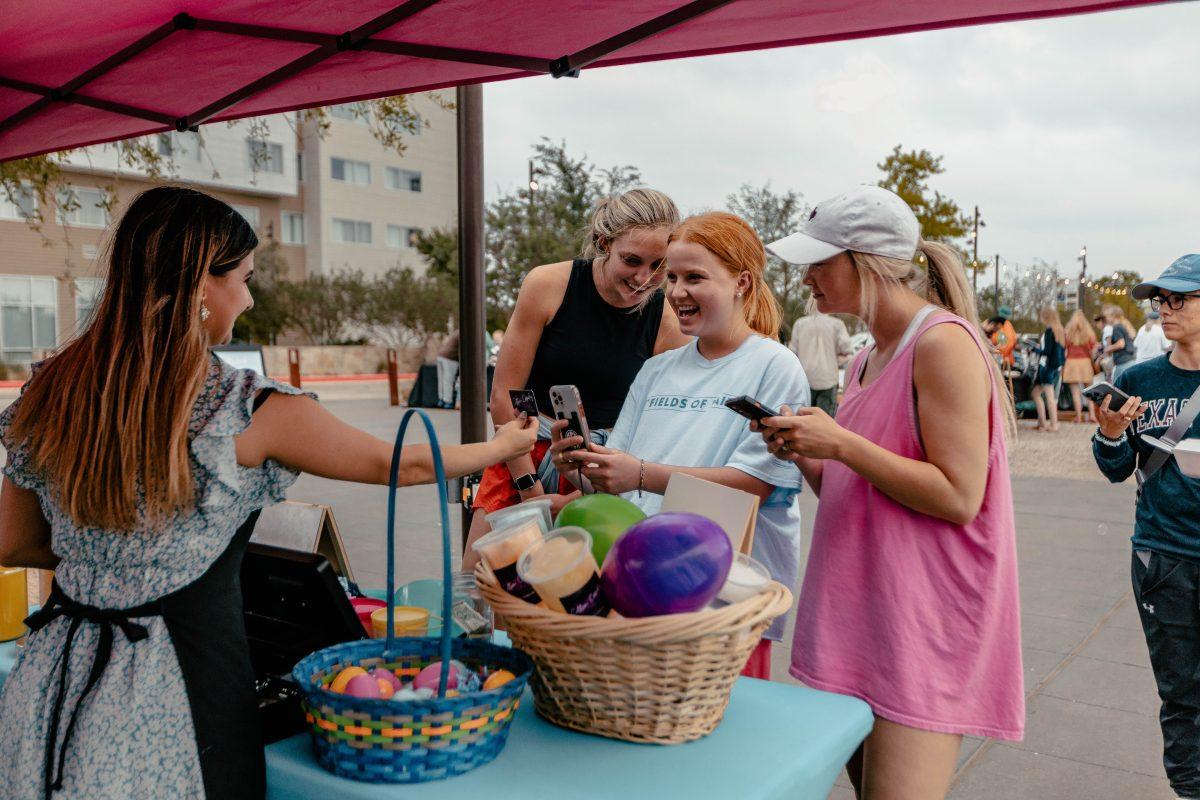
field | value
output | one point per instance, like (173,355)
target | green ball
(604,516)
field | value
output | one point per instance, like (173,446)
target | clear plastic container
(501,548)
(537,508)
(470,613)
(563,571)
(746,578)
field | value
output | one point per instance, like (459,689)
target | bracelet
(1100,438)
(641,476)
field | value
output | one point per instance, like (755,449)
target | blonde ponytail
(943,283)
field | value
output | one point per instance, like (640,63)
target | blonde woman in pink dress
(910,597)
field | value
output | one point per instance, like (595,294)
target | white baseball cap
(866,219)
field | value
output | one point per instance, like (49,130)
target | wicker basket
(657,679)
(410,741)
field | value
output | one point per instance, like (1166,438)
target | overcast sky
(1065,132)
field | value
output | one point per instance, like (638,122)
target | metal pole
(997,283)
(1083,279)
(975,255)
(473,417)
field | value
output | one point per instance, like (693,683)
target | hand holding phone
(569,406)
(749,408)
(1101,389)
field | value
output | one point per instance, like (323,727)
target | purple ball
(669,563)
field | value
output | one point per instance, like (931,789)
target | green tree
(269,317)
(1116,288)
(439,248)
(773,216)
(907,174)
(403,309)
(322,307)
(528,227)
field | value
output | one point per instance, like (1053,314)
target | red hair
(735,244)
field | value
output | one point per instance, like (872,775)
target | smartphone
(749,408)
(1098,391)
(524,401)
(569,406)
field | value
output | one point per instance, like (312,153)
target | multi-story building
(334,199)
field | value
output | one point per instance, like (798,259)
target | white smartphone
(568,405)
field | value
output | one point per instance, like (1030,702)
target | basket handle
(440,477)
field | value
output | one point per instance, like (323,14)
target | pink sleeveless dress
(917,616)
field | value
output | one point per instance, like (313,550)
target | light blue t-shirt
(675,414)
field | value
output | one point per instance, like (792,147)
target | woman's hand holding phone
(1113,424)
(805,432)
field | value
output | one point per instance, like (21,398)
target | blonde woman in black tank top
(590,322)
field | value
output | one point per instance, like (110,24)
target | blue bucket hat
(1181,277)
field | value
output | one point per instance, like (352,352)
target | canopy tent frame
(326,45)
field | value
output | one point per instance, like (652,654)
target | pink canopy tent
(79,72)
(76,72)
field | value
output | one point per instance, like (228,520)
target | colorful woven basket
(410,741)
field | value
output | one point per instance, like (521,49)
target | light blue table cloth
(777,741)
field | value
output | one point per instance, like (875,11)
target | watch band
(525,482)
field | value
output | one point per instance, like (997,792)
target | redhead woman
(137,465)
(675,420)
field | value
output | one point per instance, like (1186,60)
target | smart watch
(525,482)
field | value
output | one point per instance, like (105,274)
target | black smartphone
(1098,391)
(749,408)
(524,401)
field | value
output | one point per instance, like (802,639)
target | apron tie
(59,605)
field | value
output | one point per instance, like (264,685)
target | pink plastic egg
(385,674)
(363,686)
(428,678)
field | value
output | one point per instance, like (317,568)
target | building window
(84,207)
(265,156)
(343,169)
(250,213)
(165,146)
(351,231)
(406,179)
(87,297)
(300,167)
(293,228)
(354,112)
(28,317)
(400,236)
(21,206)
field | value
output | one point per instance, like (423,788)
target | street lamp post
(997,283)
(974,237)
(1083,279)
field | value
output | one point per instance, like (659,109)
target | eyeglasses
(1172,301)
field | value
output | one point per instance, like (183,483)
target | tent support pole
(472,320)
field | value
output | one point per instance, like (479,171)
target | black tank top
(594,346)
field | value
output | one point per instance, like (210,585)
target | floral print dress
(136,680)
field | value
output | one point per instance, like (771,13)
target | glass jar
(471,613)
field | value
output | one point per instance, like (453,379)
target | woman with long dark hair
(137,465)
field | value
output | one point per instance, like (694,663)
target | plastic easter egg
(669,563)
(385,674)
(343,678)
(498,679)
(605,516)
(386,690)
(428,678)
(363,686)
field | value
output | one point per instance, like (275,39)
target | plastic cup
(563,572)
(408,621)
(746,578)
(537,508)
(502,548)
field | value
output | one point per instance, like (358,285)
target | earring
(739,294)
(204,313)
